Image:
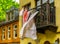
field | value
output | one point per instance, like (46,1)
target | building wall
(24,2)
(49,35)
(57,4)
(27,40)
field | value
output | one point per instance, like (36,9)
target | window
(8,17)
(27,6)
(38,4)
(9,32)
(3,34)
(51,1)
(52,13)
(41,1)
(16,14)
(12,16)
(15,31)
(44,1)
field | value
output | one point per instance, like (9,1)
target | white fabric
(31,33)
(21,12)
(24,25)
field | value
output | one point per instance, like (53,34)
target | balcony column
(41,14)
(48,11)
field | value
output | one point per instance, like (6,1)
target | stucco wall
(57,4)
(49,35)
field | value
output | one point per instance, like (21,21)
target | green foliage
(6,5)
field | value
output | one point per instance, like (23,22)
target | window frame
(8,16)
(3,33)
(44,2)
(51,1)
(9,32)
(15,31)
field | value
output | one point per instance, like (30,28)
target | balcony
(46,19)
(12,14)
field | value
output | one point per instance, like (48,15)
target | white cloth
(56,42)
(21,12)
(31,33)
(24,25)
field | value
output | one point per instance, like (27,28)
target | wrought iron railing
(45,16)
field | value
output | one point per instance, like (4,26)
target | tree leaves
(6,5)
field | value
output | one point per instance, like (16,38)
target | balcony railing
(46,16)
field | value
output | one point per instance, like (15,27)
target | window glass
(9,32)
(50,1)
(44,1)
(3,34)
(38,2)
(52,13)
(15,31)
(12,16)
(8,17)
(15,13)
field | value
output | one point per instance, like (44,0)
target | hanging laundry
(27,30)
(21,12)
(30,30)
(25,15)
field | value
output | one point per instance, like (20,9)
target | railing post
(48,12)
